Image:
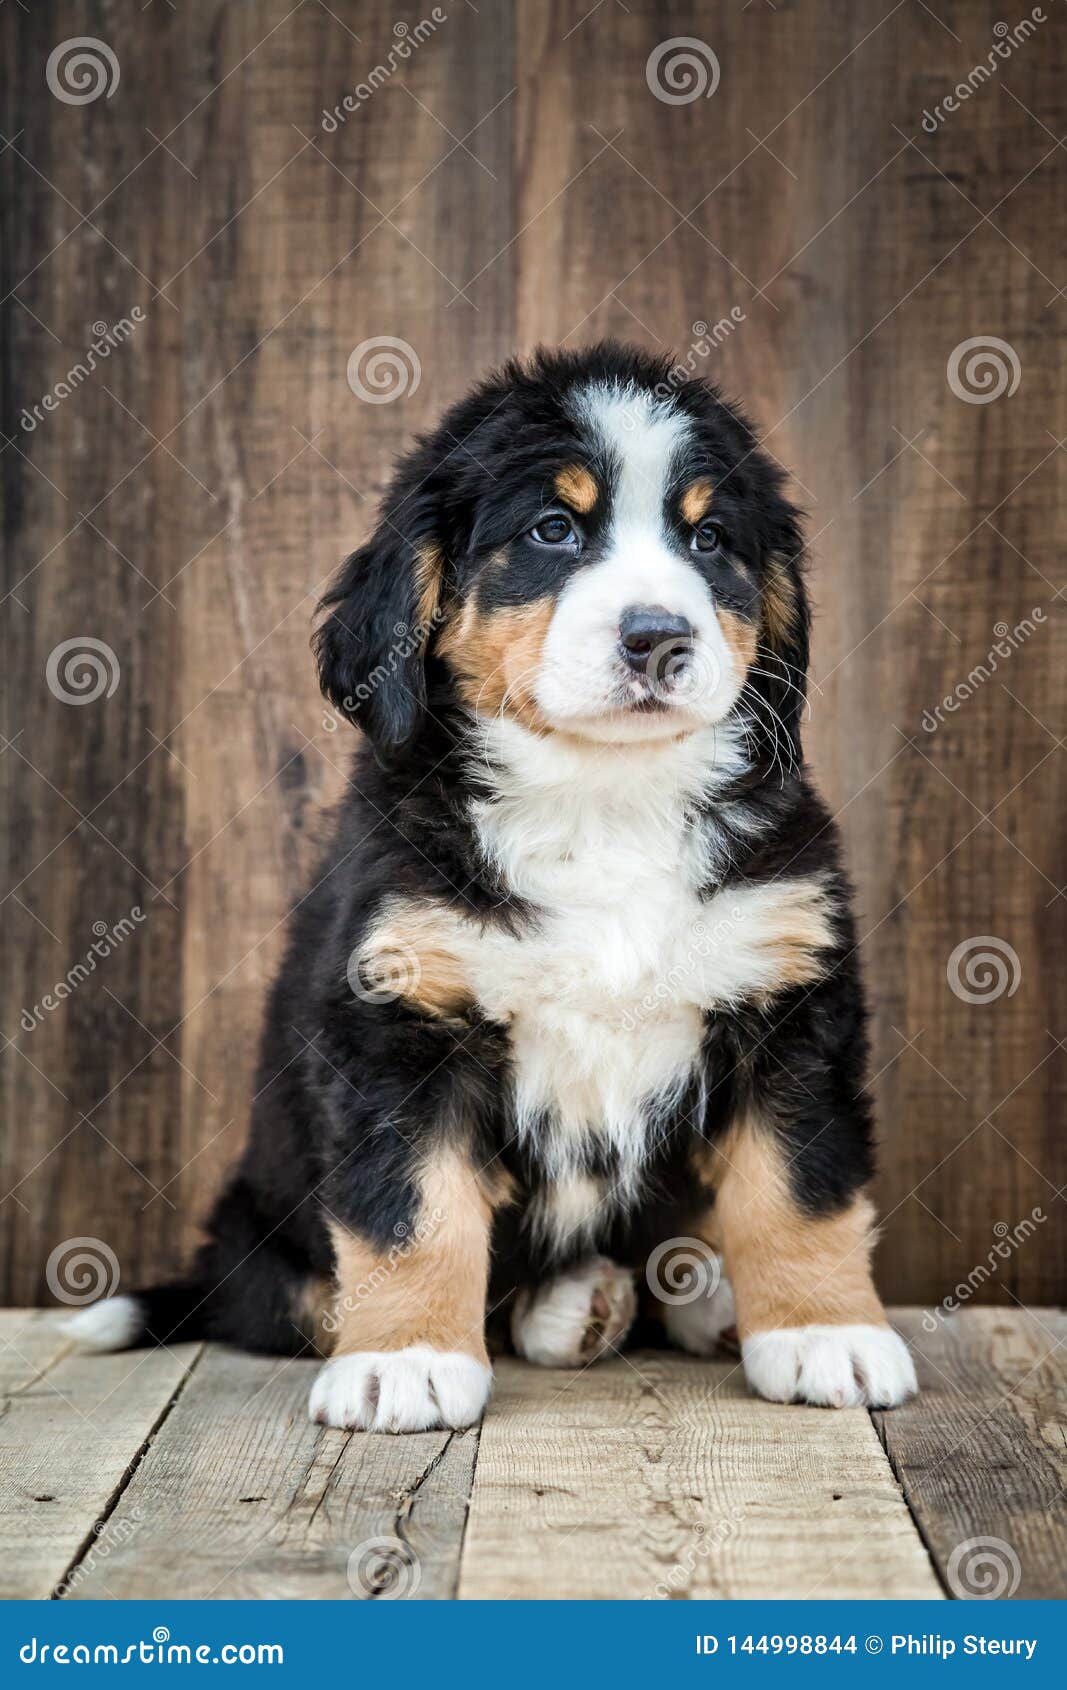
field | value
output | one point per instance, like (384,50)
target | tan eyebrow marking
(578,486)
(696,500)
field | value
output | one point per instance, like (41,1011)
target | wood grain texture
(514,178)
(30,1344)
(658,1476)
(147,1475)
(241,1496)
(981,1454)
(71,1428)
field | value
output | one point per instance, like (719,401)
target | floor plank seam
(406,1503)
(97,1527)
(476,1433)
(878,1421)
(328,1482)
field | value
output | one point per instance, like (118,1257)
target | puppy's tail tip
(167,1314)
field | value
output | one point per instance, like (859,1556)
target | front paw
(832,1366)
(411,1390)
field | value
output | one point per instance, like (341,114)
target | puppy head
(587,547)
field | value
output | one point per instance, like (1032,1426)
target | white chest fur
(606,984)
(604,990)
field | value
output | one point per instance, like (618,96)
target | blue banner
(540,1645)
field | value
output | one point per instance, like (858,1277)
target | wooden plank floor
(195,1472)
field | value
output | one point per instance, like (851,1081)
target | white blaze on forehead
(643,436)
(583,677)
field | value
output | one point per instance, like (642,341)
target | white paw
(410,1390)
(699,1324)
(834,1366)
(577,1317)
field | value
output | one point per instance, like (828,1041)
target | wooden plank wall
(516,179)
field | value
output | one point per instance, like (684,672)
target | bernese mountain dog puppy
(576,982)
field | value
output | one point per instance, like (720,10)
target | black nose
(650,637)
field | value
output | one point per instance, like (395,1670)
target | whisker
(776,657)
(775,756)
(776,722)
(780,680)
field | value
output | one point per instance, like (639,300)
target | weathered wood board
(72,1427)
(656,1476)
(981,1453)
(242,1496)
(659,1476)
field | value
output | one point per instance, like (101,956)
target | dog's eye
(707,537)
(554,531)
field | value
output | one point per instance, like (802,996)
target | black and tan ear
(379,615)
(785,625)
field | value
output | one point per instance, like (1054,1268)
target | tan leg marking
(696,501)
(430,1287)
(495,656)
(789,1269)
(411,952)
(578,487)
